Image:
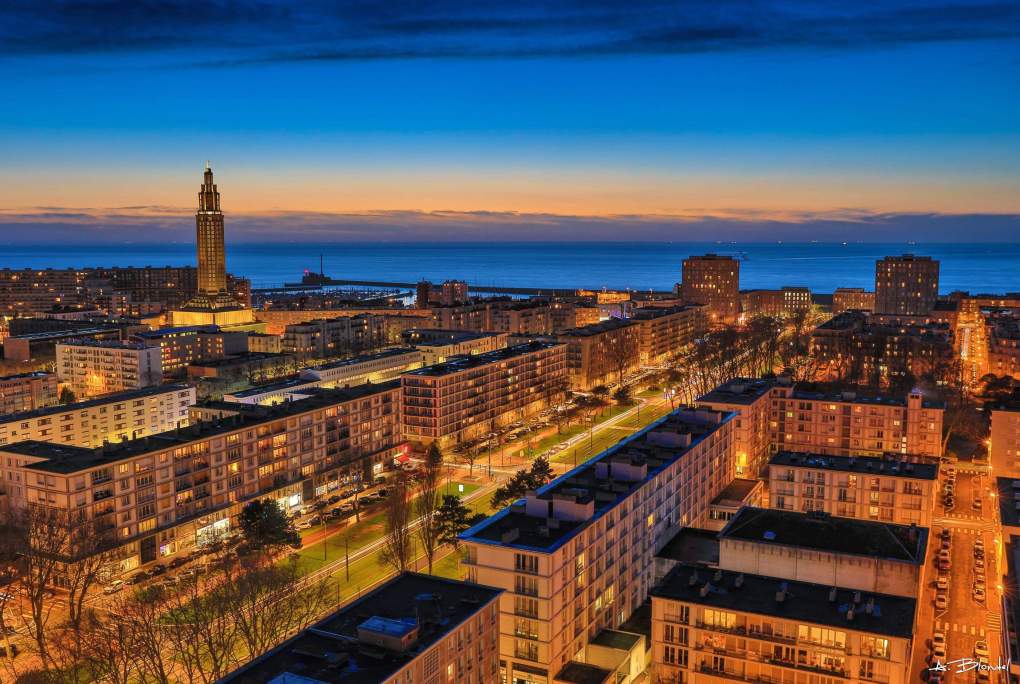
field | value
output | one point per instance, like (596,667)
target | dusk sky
(465,120)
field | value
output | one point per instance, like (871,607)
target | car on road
(944,555)
(951,471)
(347,507)
(938,645)
(979,594)
(113,587)
(941,601)
(942,583)
(945,544)
(946,533)
(979,564)
(304,525)
(319,505)
(981,649)
(949,502)
(976,505)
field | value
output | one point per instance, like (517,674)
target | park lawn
(361,534)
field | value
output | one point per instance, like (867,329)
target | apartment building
(972,327)
(182,346)
(94,368)
(41,346)
(851,348)
(725,626)
(264,343)
(666,331)
(576,557)
(782,303)
(816,547)
(27,392)
(325,337)
(535,316)
(467,396)
(714,281)
(112,418)
(776,414)
(1004,450)
(377,367)
(906,284)
(166,493)
(414,629)
(603,353)
(1002,331)
(852,298)
(862,487)
(437,345)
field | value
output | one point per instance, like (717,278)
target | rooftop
(240,358)
(597,328)
(692,545)
(105,400)
(67,459)
(854,395)
(332,650)
(822,532)
(25,376)
(364,358)
(104,344)
(1009,501)
(69,335)
(436,337)
(651,450)
(873,465)
(650,312)
(582,673)
(740,391)
(736,492)
(180,330)
(456,364)
(817,604)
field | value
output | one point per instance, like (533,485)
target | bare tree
(396,550)
(470,454)
(427,503)
(92,551)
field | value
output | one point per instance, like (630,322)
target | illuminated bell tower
(212,303)
(212,267)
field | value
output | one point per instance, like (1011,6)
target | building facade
(576,558)
(862,487)
(714,281)
(329,337)
(167,493)
(782,303)
(852,299)
(437,345)
(604,353)
(112,418)
(1004,450)
(92,369)
(666,331)
(906,285)
(27,392)
(468,396)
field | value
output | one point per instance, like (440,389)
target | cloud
(168,224)
(228,32)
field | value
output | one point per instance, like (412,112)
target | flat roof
(531,532)
(823,532)
(736,491)
(740,391)
(852,394)
(1009,500)
(440,337)
(67,334)
(239,358)
(891,616)
(330,650)
(105,400)
(364,358)
(26,376)
(180,330)
(652,312)
(66,459)
(692,545)
(868,465)
(614,638)
(597,328)
(582,673)
(461,362)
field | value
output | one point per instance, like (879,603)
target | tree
(427,503)
(396,551)
(469,454)
(453,518)
(92,551)
(601,394)
(622,395)
(541,472)
(67,396)
(521,482)
(266,527)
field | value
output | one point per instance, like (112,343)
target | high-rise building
(212,304)
(847,298)
(906,285)
(602,353)
(94,368)
(713,280)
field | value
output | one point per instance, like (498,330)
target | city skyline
(461,123)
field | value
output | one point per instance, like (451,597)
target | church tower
(212,303)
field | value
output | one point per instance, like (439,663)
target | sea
(984,267)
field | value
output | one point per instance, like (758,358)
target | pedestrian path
(958,628)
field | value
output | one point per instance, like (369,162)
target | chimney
(869,607)
(739,581)
(693,579)
(705,590)
(718,576)
(857,598)
(832,595)
(850,614)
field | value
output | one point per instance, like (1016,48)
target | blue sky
(791,111)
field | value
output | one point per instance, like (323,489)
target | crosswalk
(958,628)
(993,621)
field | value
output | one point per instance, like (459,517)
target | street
(970,619)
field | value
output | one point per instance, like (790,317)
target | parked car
(304,525)
(178,561)
(113,587)
(942,583)
(319,505)
(981,649)
(946,533)
(347,507)
(941,601)
(976,505)
(938,645)
(979,564)
(979,593)
(137,578)
(334,499)
(157,569)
